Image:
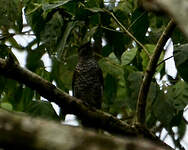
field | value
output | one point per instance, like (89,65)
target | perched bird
(87,83)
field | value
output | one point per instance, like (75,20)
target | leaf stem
(150,71)
(128,33)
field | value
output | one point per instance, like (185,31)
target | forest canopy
(128,36)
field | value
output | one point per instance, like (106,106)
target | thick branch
(68,103)
(150,71)
(71,104)
(23,132)
(175,8)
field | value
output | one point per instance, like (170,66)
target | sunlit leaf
(49,6)
(111,66)
(95,10)
(89,34)
(6,106)
(128,56)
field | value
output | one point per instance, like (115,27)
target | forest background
(129,38)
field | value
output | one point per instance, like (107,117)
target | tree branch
(23,132)
(71,104)
(150,71)
(68,103)
(174,8)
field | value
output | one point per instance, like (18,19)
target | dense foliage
(58,28)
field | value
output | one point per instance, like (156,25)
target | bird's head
(86,50)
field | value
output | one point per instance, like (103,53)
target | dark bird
(87,83)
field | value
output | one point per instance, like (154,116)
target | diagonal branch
(68,103)
(150,71)
(73,105)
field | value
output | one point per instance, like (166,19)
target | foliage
(58,28)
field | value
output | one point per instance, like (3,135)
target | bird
(87,82)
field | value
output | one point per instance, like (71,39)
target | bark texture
(23,132)
(73,105)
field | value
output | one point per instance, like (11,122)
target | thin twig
(138,18)
(150,71)
(164,60)
(111,29)
(127,32)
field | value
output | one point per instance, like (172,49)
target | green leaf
(62,72)
(2,83)
(128,56)
(163,109)
(145,59)
(122,12)
(182,129)
(52,32)
(134,80)
(89,34)
(178,95)
(11,13)
(4,50)
(15,44)
(33,60)
(34,18)
(95,10)
(63,41)
(23,98)
(110,93)
(181,60)
(106,50)
(176,99)
(111,65)
(66,76)
(6,106)
(94,3)
(41,109)
(139,21)
(49,6)
(178,37)
(119,47)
